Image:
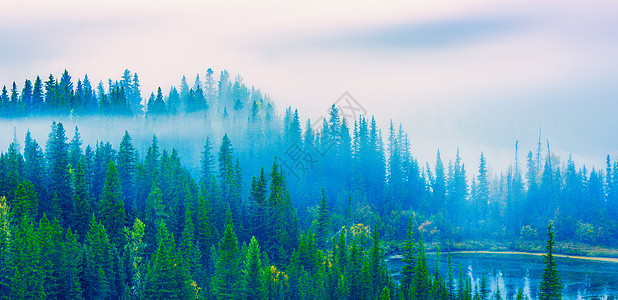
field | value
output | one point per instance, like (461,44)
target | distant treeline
(123,97)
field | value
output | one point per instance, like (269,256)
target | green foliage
(409,260)
(551,288)
(134,260)
(111,206)
(167,276)
(99,270)
(29,273)
(421,281)
(227,281)
(323,222)
(25,203)
(386,294)
(81,202)
(254,281)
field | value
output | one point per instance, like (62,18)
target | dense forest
(269,207)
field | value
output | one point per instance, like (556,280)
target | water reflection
(582,279)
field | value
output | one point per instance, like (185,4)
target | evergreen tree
(81,202)
(155,214)
(127,160)
(99,274)
(227,281)
(25,203)
(71,268)
(207,164)
(34,162)
(258,208)
(6,236)
(409,260)
(204,229)
(386,294)
(75,150)
(133,259)
(551,288)
(58,169)
(26,262)
(190,252)
(254,285)
(323,222)
(421,280)
(26,97)
(37,94)
(111,206)
(167,276)
(484,289)
(50,241)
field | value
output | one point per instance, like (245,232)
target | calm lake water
(582,279)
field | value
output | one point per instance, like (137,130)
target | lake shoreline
(596,258)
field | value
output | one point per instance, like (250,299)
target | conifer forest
(308,150)
(239,199)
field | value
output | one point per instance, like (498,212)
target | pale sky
(475,74)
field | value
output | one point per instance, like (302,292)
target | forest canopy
(269,206)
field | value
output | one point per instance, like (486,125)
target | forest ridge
(127,224)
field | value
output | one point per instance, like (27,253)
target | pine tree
(127,160)
(37,94)
(133,259)
(323,222)
(258,206)
(227,280)
(376,267)
(207,164)
(282,221)
(254,285)
(439,185)
(58,169)
(71,268)
(81,202)
(409,260)
(205,234)
(99,275)
(50,241)
(386,294)
(167,276)
(484,290)
(26,97)
(75,150)
(111,206)
(421,281)
(155,214)
(190,252)
(551,288)
(482,199)
(34,162)
(25,260)
(6,234)
(25,203)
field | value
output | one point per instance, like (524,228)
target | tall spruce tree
(111,206)
(551,288)
(254,284)
(227,281)
(58,169)
(323,222)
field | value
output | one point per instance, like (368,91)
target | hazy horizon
(478,75)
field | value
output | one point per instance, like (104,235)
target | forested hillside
(270,206)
